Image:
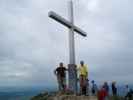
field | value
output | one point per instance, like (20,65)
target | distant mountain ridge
(22,93)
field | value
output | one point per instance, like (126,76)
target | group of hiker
(82,70)
(102,92)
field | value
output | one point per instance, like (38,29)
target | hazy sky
(32,45)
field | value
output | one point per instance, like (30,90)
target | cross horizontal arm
(66,23)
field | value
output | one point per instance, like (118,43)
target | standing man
(94,88)
(83,77)
(126,91)
(114,90)
(60,72)
(106,86)
(129,93)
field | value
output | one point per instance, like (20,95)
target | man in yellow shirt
(83,76)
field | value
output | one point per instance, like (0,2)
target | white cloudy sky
(32,45)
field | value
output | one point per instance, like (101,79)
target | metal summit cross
(72,72)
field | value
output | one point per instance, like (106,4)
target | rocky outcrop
(72,97)
(60,96)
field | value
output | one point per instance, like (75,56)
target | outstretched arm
(55,72)
(66,69)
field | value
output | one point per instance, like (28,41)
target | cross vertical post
(71,35)
(72,70)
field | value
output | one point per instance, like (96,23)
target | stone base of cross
(72,77)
